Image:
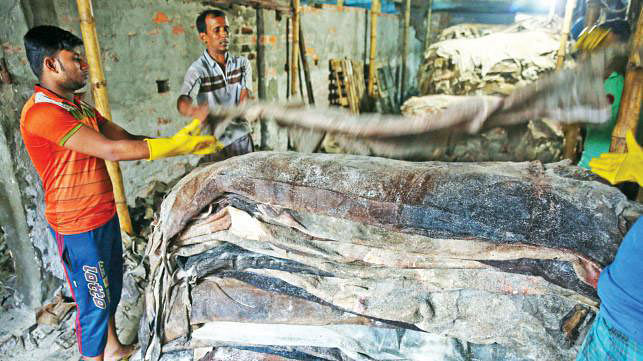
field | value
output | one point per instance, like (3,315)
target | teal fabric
(606,343)
(598,139)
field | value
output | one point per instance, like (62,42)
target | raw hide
(482,259)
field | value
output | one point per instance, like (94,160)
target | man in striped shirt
(218,78)
(68,142)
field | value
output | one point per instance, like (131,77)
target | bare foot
(121,353)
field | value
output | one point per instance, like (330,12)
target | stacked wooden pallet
(347,86)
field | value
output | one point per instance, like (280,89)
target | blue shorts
(93,263)
(604,342)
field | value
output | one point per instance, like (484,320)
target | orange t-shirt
(78,191)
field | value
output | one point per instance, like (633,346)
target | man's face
(216,36)
(73,69)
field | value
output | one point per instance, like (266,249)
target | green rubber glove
(185,141)
(621,167)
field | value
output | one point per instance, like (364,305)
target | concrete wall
(331,33)
(38,269)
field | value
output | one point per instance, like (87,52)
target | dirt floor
(21,337)
(25,340)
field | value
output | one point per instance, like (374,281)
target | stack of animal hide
(289,256)
(495,63)
(536,140)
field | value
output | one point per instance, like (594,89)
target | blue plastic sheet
(388,7)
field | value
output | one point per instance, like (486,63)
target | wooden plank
(630,110)
(375,9)
(405,46)
(294,61)
(571,132)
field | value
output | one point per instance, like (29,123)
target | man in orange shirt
(68,142)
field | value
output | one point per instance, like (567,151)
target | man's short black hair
(200,20)
(46,40)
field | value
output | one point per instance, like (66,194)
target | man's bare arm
(114,132)
(88,141)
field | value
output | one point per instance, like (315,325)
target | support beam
(629,112)
(372,67)
(99,91)
(572,132)
(294,61)
(405,47)
(261,54)
(427,36)
(304,63)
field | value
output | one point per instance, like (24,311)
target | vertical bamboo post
(340,5)
(99,91)
(372,68)
(294,61)
(304,63)
(571,131)
(405,47)
(427,36)
(261,54)
(630,110)
(288,55)
(567,25)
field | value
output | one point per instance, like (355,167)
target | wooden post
(288,55)
(564,36)
(571,132)
(405,46)
(372,67)
(261,54)
(630,110)
(99,91)
(340,5)
(427,36)
(294,61)
(304,63)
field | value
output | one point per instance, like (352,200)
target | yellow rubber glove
(591,39)
(194,128)
(185,141)
(621,167)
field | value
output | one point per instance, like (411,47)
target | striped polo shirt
(212,85)
(78,191)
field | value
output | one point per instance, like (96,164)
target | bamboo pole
(572,132)
(261,54)
(427,36)
(340,5)
(288,55)
(630,109)
(99,91)
(372,68)
(405,47)
(294,61)
(304,62)
(564,36)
